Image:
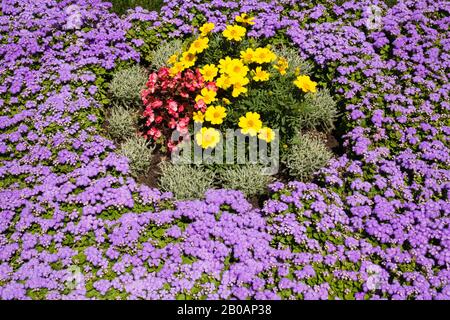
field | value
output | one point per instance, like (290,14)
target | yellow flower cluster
(281,65)
(305,83)
(189,58)
(207,95)
(259,55)
(213,114)
(251,124)
(235,74)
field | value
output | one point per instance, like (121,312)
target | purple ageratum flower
(74,19)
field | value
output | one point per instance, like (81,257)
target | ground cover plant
(371,223)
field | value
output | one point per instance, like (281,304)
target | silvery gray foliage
(139,154)
(122,123)
(127,84)
(307,154)
(164,51)
(318,111)
(185,181)
(247,178)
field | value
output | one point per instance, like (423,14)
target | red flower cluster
(170,102)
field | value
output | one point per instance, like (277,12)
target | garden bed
(78,221)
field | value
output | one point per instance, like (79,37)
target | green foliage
(121,6)
(246,178)
(127,84)
(306,155)
(277,101)
(185,181)
(121,123)
(162,53)
(283,108)
(137,150)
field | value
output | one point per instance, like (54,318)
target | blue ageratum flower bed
(373,224)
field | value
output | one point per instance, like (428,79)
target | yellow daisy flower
(250,124)
(236,69)
(234,32)
(244,19)
(224,82)
(208,96)
(305,84)
(209,72)
(266,134)
(281,65)
(224,63)
(188,59)
(198,117)
(207,137)
(173,59)
(178,67)
(261,75)
(226,101)
(264,55)
(248,55)
(215,115)
(239,87)
(207,28)
(199,45)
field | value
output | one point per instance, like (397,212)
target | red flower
(170,102)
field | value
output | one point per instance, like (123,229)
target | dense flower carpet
(374,224)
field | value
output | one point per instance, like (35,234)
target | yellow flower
(239,87)
(173,59)
(250,124)
(281,65)
(188,59)
(207,28)
(244,19)
(215,115)
(208,96)
(234,33)
(305,84)
(261,75)
(198,117)
(209,72)
(248,55)
(199,45)
(264,55)
(226,101)
(266,134)
(207,138)
(236,70)
(224,63)
(224,82)
(178,67)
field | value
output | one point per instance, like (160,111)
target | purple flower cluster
(375,225)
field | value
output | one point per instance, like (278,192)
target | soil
(151,177)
